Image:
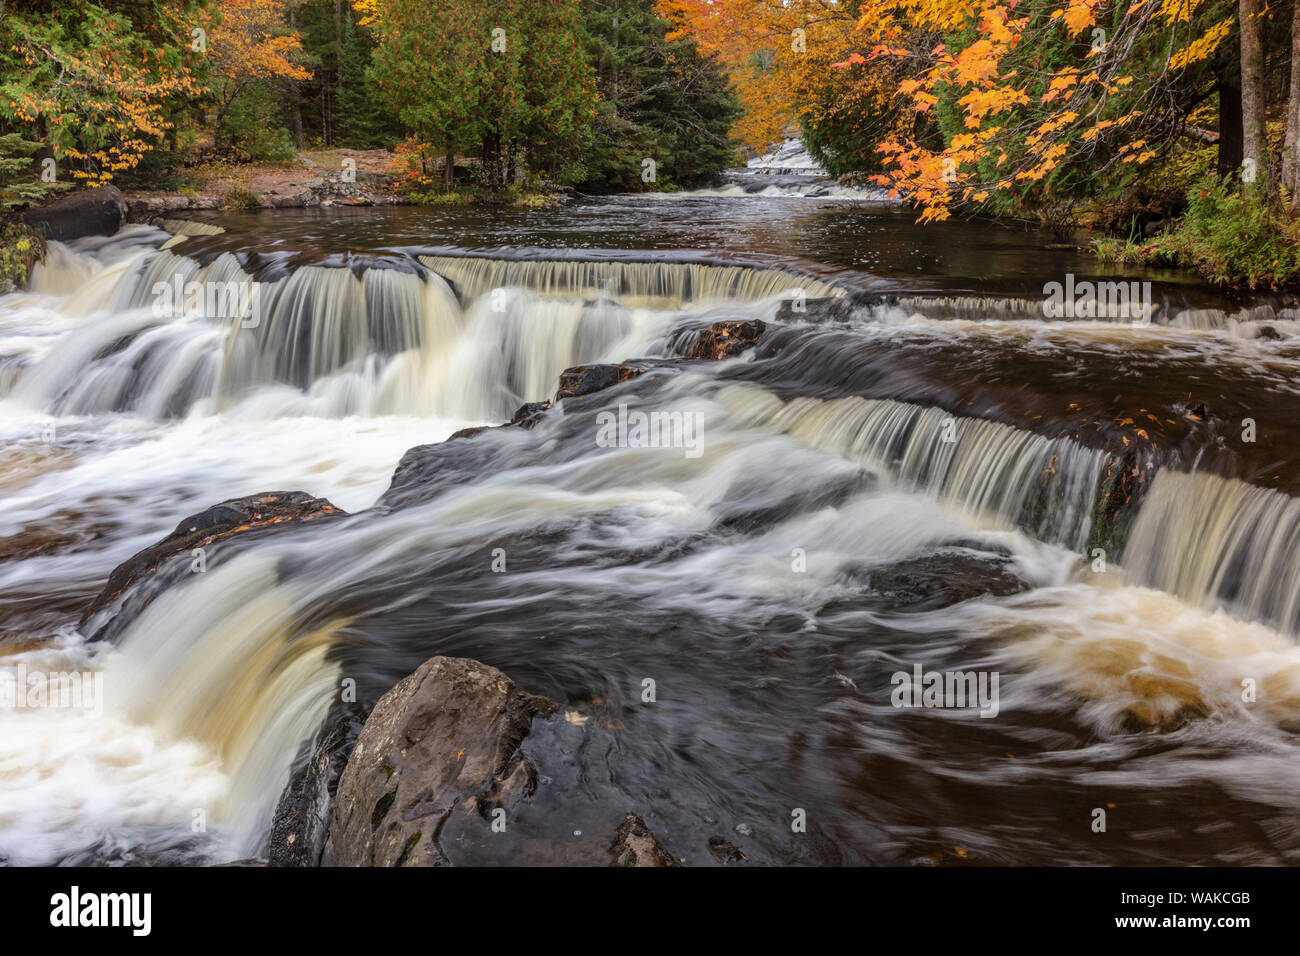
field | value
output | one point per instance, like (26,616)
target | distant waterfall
(659,285)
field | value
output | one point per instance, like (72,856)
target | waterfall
(164,335)
(658,285)
(1216,541)
(1047,486)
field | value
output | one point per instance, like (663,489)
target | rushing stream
(922,413)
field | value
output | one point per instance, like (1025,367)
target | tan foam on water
(1141,658)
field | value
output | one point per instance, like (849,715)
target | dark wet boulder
(940,579)
(635,845)
(585,379)
(1267,332)
(526,416)
(830,309)
(445,742)
(470,432)
(89,212)
(529,414)
(723,340)
(1123,488)
(222,521)
(726,852)
(301,819)
(425,471)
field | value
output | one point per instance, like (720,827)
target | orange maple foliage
(250,40)
(1027,116)
(779,54)
(1022,114)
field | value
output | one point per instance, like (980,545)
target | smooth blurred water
(738,579)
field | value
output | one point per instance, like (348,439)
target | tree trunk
(338,48)
(1254,143)
(295,90)
(1230,145)
(449,170)
(1291,144)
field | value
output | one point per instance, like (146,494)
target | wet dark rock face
(445,741)
(526,416)
(301,820)
(586,379)
(221,521)
(723,340)
(90,212)
(945,577)
(635,845)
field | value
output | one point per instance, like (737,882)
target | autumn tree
(1040,102)
(248,42)
(97,84)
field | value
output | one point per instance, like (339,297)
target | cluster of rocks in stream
(376,788)
(418,779)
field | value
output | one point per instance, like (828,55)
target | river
(1131,483)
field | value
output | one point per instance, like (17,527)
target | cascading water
(756,581)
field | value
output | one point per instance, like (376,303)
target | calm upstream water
(1129,488)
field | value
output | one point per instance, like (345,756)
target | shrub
(20,249)
(1233,234)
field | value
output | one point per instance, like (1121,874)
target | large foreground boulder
(445,741)
(90,212)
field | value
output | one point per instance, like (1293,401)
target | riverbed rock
(301,820)
(585,379)
(635,845)
(526,416)
(88,212)
(221,521)
(723,340)
(942,578)
(529,414)
(720,340)
(445,741)
(822,310)
(144,207)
